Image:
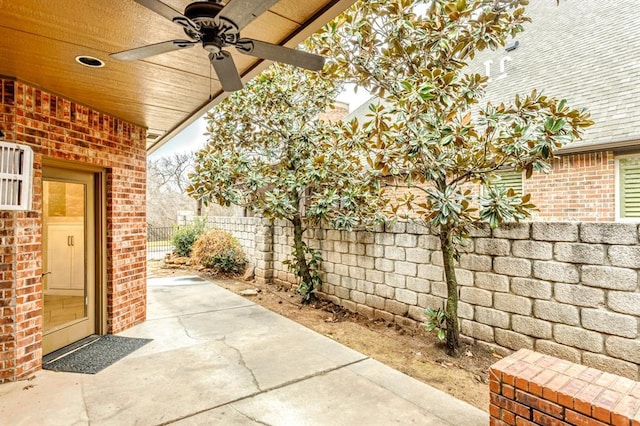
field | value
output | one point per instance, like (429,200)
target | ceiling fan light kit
(216,26)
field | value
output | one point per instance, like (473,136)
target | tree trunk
(301,258)
(451,309)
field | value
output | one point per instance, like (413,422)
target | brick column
(20,295)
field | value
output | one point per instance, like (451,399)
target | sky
(192,138)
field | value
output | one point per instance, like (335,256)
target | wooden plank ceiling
(40,39)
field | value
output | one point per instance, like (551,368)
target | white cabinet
(65,259)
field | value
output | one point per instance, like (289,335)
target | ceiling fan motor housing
(215,32)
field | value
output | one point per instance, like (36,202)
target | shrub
(185,236)
(219,251)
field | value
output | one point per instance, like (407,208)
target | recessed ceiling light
(90,61)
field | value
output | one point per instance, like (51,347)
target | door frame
(100,230)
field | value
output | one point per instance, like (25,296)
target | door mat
(92,354)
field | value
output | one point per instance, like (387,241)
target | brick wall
(529,388)
(561,288)
(580,187)
(57,128)
(339,111)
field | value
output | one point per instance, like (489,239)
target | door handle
(44,273)
(70,241)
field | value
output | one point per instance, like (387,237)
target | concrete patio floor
(218,358)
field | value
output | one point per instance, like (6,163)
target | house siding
(57,128)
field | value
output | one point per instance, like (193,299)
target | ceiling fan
(216,25)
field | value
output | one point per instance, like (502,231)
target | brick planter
(529,388)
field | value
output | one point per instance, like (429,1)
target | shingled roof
(585,51)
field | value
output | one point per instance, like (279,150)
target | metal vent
(16,171)
(153,136)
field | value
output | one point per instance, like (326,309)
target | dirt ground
(412,351)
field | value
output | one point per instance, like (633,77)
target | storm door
(69,260)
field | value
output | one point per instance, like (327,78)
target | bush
(184,238)
(219,251)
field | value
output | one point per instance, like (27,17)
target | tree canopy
(270,151)
(434,131)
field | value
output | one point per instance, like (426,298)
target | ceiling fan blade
(168,12)
(227,72)
(265,50)
(242,12)
(152,50)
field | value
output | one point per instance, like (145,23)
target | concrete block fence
(242,228)
(255,235)
(565,289)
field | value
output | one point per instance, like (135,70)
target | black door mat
(92,354)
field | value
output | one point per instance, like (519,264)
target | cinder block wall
(560,288)
(242,228)
(57,128)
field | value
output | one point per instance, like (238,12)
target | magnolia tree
(432,130)
(269,151)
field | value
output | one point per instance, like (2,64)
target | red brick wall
(126,242)
(57,128)
(339,111)
(529,388)
(7,292)
(580,187)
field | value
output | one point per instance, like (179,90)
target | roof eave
(624,145)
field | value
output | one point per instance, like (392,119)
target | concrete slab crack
(208,311)
(254,394)
(246,416)
(186,331)
(242,362)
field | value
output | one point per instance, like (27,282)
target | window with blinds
(629,196)
(508,180)
(16,171)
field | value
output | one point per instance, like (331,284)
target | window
(509,179)
(629,187)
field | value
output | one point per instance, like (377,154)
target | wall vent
(16,172)
(153,136)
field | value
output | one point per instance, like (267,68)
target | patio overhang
(41,39)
